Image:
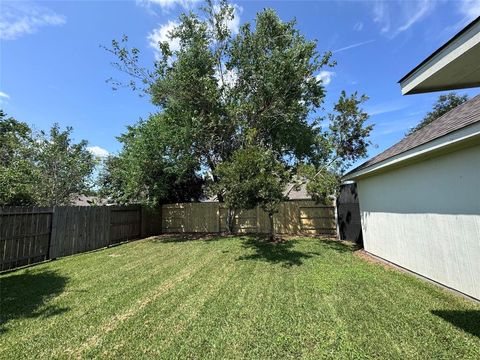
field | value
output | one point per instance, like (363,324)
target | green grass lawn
(230,298)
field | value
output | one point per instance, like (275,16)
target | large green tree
(444,104)
(17,175)
(221,94)
(42,169)
(64,168)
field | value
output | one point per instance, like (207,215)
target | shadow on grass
(274,252)
(339,246)
(26,296)
(467,320)
(183,237)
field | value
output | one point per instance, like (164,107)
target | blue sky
(52,68)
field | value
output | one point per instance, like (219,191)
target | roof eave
(463,137)
(444,68)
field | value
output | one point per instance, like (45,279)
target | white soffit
(455,65)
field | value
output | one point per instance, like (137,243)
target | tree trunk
(271,234)
(231,221)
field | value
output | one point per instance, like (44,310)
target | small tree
(17,173)
(444,104)
(253,177)
(63,167)
(345,142)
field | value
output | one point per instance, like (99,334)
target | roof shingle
(463,115)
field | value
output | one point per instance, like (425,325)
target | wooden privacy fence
(294,217)
(32,234)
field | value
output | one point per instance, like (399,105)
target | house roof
(294,193)
(452,66)
(460,117)
(84,200)
(291,192)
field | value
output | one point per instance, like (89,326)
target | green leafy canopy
(42,169)
(224,97)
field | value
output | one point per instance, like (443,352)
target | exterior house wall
(425,217)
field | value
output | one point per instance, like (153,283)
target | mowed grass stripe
(228,298)
(145,300)
(175,309)
(105,293)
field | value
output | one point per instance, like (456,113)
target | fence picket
(294,217)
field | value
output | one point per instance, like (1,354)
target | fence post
(52,246)
(160,213)
(142,222)
(257,219)
(335,209)
(107,225)
(160,210)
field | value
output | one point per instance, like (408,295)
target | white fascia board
(453,51)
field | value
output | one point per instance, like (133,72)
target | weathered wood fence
(294,217)
(33,234)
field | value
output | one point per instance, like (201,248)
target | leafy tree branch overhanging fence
(33,234)
(228,99)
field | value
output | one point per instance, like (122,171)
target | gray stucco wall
(426,217)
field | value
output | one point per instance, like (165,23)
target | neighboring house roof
(83,200)
(294,194)
(454,65)
(458,118)
(299,193)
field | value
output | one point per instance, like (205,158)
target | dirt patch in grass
(179,237)
(362,254)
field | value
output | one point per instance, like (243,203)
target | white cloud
(381,15)
(161,34)
(358,26)
(4,95)
(168,4)
(230,77)
(386,107)
(21,18)
(353,46)
(98,151)
(395,17)
(325,77)
(470,9)
(234,24)
(423,9)
(393,127)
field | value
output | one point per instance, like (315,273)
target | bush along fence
(33,234)
(294,217)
